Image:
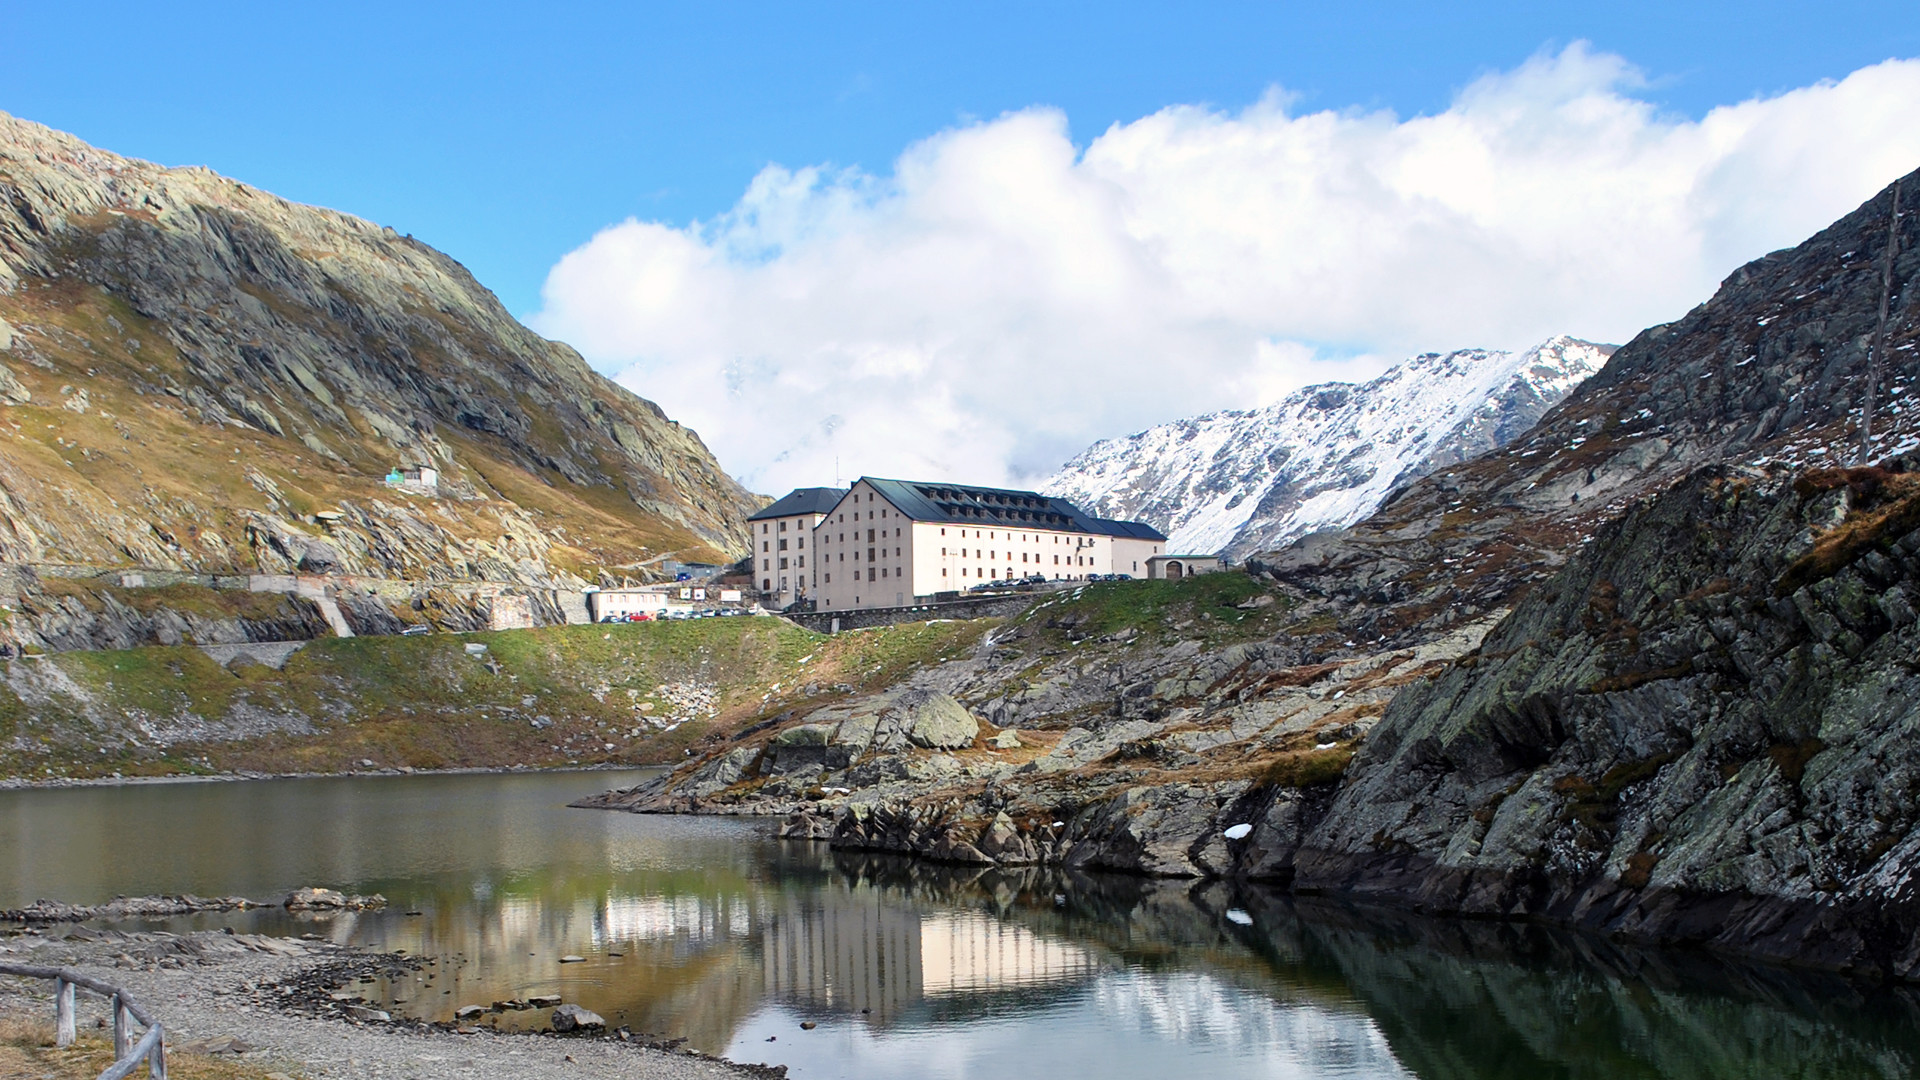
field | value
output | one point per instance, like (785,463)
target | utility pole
(1879,333)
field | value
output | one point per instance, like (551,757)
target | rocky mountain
(1242,481)
(200,376)
(1769,373)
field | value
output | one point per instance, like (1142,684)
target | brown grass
(1886,508)
(27,1051)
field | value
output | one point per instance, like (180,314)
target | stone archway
(1175,571)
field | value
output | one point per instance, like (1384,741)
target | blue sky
(507,135)
(963,242)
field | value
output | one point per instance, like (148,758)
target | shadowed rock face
(198,369)
(1707,727)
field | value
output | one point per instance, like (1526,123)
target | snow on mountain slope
(1325,456)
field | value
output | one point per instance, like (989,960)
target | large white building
(889,543)
(780,547)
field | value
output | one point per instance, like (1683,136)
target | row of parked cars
(1034,580)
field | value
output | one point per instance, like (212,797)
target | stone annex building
(889,543)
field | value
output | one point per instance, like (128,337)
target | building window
(783,543)
(829,579)
(783,564)
(943,571)
(763,546)
(766,564)
(802,562)
(783,526)
(767,585)
(763,526)
(801,543)
(883,571)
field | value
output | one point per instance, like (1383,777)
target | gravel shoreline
(211,989)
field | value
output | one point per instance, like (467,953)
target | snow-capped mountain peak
(1326,455)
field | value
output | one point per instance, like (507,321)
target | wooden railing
(128,1054)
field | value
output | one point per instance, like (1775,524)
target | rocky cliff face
(197,375)
(1251,480)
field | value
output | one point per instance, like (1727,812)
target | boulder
(1005,740)
(936,721)
(575,1018)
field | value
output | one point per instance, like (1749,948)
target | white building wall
(864,547)
(788,541)
(1130,556)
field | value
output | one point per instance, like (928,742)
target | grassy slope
(142,457)
(424,702)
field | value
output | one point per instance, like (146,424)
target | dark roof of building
(963,504)
(1131,530)
(801,501)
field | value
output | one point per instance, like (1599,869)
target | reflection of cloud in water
(1197,1009)
(661,918)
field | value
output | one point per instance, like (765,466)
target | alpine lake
(714,931)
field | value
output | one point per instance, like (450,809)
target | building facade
(781,544)
(1176,567)
(889,543)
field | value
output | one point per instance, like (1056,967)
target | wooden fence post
(157,1060)
(122,1029)
(63,1012)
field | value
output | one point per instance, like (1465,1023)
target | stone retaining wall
(983,607)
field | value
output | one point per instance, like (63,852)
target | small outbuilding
(1176,567)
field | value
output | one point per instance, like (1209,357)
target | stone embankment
(159,907)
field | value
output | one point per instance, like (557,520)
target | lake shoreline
(212,990)
(13,783)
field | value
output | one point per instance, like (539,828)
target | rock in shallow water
(575,1018)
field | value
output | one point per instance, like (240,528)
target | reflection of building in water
(856,952)
(972,954)
(655,918)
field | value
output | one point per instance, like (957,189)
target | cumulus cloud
(1004,297)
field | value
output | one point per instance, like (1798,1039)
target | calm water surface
(712,930)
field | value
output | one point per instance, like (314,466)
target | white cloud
(1002,299)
